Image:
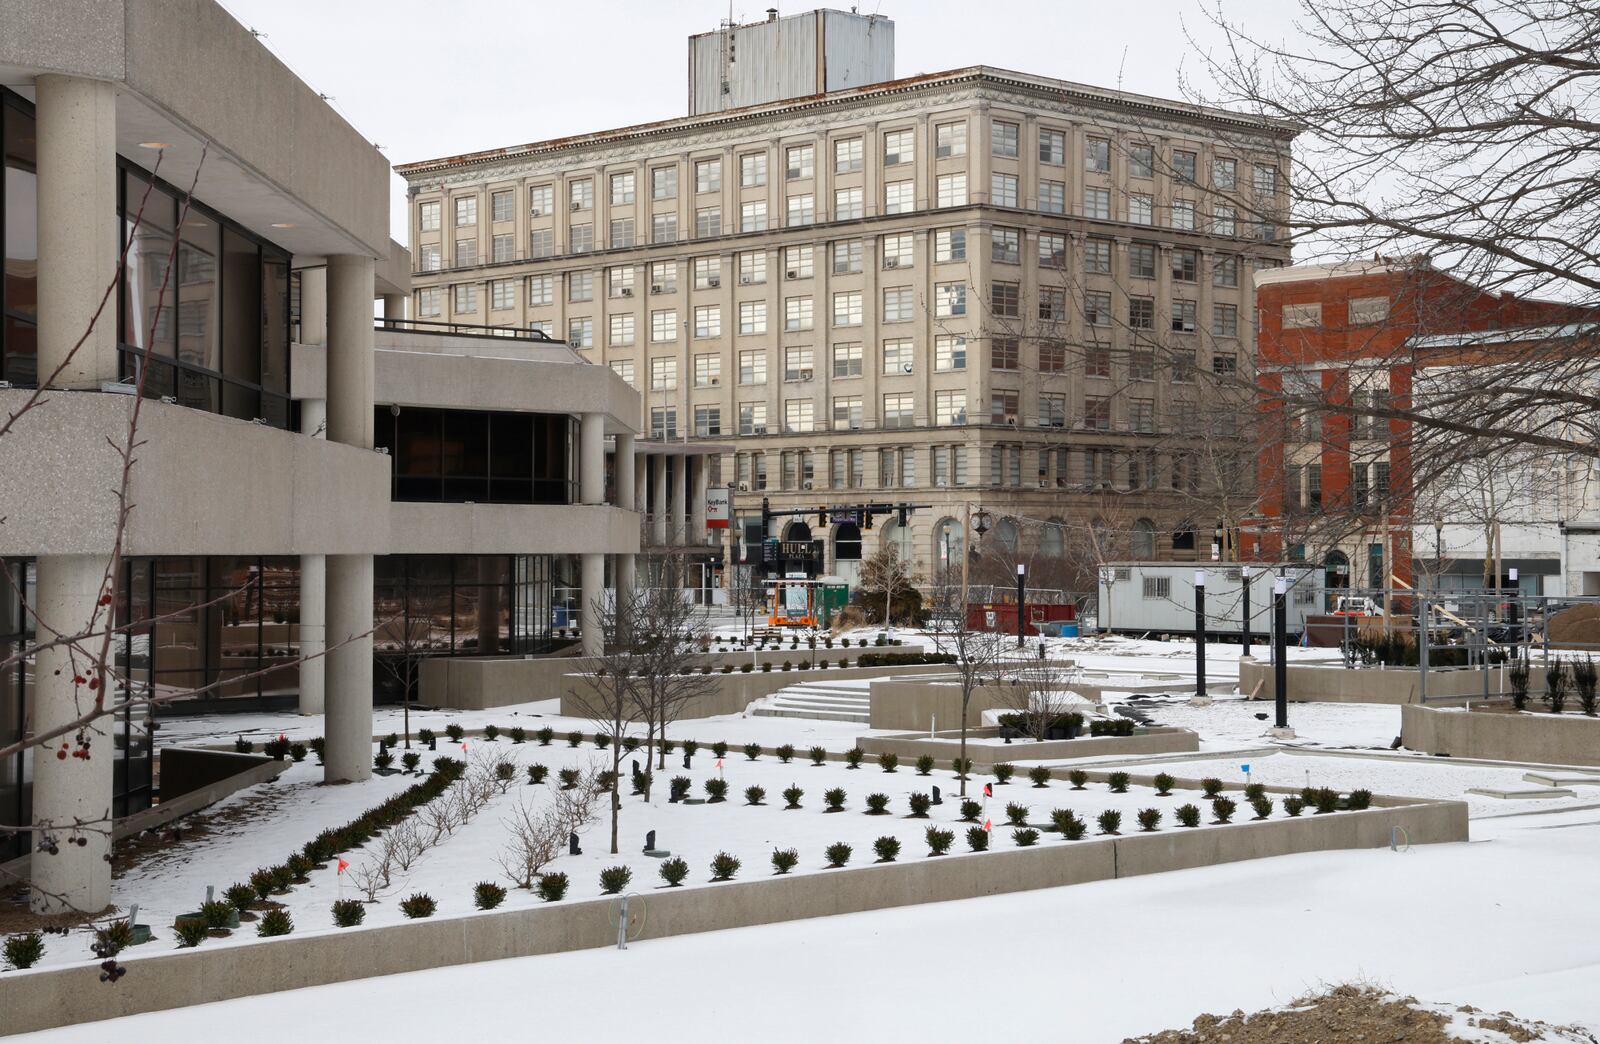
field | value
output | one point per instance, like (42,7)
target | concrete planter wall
(1310,684)
(732,693)
(46,998)
(1567,739)
(1160,740)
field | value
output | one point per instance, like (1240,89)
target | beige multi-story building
(940,290)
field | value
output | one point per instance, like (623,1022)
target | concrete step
(821,697)
(1522,794)
(858,717)
(1556,778)
(817,705)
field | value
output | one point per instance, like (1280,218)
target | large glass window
(19,204)
(455,456)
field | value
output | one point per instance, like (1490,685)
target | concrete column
(313,584)
(627,569)
(350,377)
(314,306)
(78,240)
(675,500)
(594,585)
(592,458)
(641,481)
(69,790)
(394,306)
(699,475)
(627,489)
(659,506)
(347,727)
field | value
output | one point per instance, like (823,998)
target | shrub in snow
(455,732)
(792,795)
(1118,782)
(112,938)
(888,762)
(383,760)
(537,773)
(614,879)
(1358,800)
(299,865)
(925,765)
(630,743)
(1211,786)
(691,747)
(818,755)
(243,746)
(419,905)
(1584,679)
(1110,821)
(939,841)
(785,753)
(970,810)
(491,732)
(1327,800)
(602,740)
(318,745)
(752,751)
(410,759)
(961,767)
(887,848)
(745,668)
(680,787)
(788,666)
(1164,784)
(277,748)
(1025,838)
(920,803)
(1254,790)
(1555,688)
(574,738)
(217,914)
(837,853)
(1222,808)
(569,778)
(193,932)
(347,913)
(716,790)
(505,772)
(754,795)
(977,838)
(1293,805)
(877,804)
(486,895)
(723,867)
(784,860)
(282,878)
(1070,826)
(719,749)
(240,896)
(1040,776)
(606,781)
(552,887)
(766,668)
(1078,778)
(853,757)
(545,735)
(1017,815)
(1002,773)
(1149,819)
(518,734)
(275,922)
(835,798)
(666,745)
(297,752)
(1262,805)
(1189,815)
(674,870)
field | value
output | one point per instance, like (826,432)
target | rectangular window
(1185,265)
(466,211)
(1223,220)
(1003,354)
(430,302)
(949,353)
(1225,271)
(897,410)
(622,191)
(1225,320)
(1002,138)
(1265,180)
(899,147)
(797,262)
(846,412)
(1097,360)
(1142,416)
(1141,209)
(797,313)
(949,140)
(541,290)
(1053,197)
(949,408)
(753,268)
(1097,154)
(542,200)
(950,244)
(1183,214)
(752,418)
(663,422)
(1184,165)
(847,360)
(1141,313)
(1052,410)
(1097,308)
(1141,365)
(1005,300)
(707,421)
(847,156)
(430,258)
(797,364)
(502,294)
(949,300)
(1141,161)
(801,162)
(502,203)
(1004,407)
(663,182)
(623,368)
(899,197)
(1302,316)
(753,367)
(664,326)
(707,273)
(802,210)
(752,170)
(1052,250)
(708,321)
(897,356)
(1224,174)
(1005,244)
(846,204)
(952,190)
(798,414)
(1097,256)
(619,281)
(1052,146)
(1366,311)
(663,374)
(466,253)
(1052,357)
(428,216)
(753,216)
(1224,364)
(581,239)
(580,332)
(708,175)
(1157,588)
(581,194)
(707,222)
(580,286)
(1142,260)
(846,308)
(542,243)
(898,304)
(707,370)
(1097,203)
(621,232)
(664,277)
(1097,412)
(752,317)
(503,248)
(1003,190)
(1052,304)
(896,251)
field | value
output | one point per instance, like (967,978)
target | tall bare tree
(669,637)
(980,655)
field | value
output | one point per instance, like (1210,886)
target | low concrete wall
(1570,739)
(1309,684)
(47,998)
(188,769)
(732,693)
(1159,740)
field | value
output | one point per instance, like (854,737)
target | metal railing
(465,330)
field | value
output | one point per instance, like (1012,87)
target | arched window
(948,544)
(847,542)
(797,530)
(1005,535)
(1052,539)
(894,535)
(1144,540)
(1336,568)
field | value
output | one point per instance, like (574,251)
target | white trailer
(1158,597)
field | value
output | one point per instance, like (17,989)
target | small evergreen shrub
(716,790)
(282,878)
(1017,815)
(691,747)
(1584,679)
(1293,805)
(241,896)
(410,760)
(569,778)
(537,773)
(961,767)
(1164,784)
(818,755)
(1118,782)
(752,751)
(939,841)
(887,848)
(977,839)
(1555,688)
(505,771)
(391,740)
(835,799)
(298,752)
(792,796)
(925,765)
(877,804)
(630,743)
(602,740)
(518,734)
(243,746)
(605,782)
(888,762)
(970,810)
(837,854)
(275,922)
(1040,775)
(382,760)
(1327,800)
(719,749)
(486,895)
(1223,808)
(1359,800)
(1026,837)
(347,913)
(1070,826)
(786,753)
(276,748)
(318,745)
(1149,819)
(418,905)
(680,787)
(491,732)
(261,881)
(744,668)
(426,736)
(1003,773)
(551,887)
(112,938)
(723,867)
(667,745)
(1262,806)
(455,732)
(853,757)
(920,803)
(1110,821)
(218,913)
(766,668)
(1078,778)
(754,795)
(545,735)
(674,871)
(784,860)
(1189,815)
(614,879)
(574,738)
(1211,786)
(192,933)
(1254,790)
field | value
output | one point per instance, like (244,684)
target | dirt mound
(1363,1013)
(1579,625)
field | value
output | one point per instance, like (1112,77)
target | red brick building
(1334,487)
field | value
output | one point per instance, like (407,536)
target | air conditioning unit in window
(803,375)
(942,152)
(657,288)
(905,367)
(715,381)
(714,282)
(627,291)
(1011,419)
(537,212)
(744,487)
(807,484)
(744,280)
(791,274)
(576,205)
(891,262)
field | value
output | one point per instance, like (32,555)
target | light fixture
(158,145)
(283,224)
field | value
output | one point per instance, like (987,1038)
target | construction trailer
(1158,597)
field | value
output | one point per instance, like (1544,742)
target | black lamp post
(1280,650)
(1244,575)
(1200,633)
(1022,608)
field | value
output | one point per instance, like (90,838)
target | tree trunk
(616,783)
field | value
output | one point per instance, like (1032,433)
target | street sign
(717,507)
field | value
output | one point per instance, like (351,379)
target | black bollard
(686,760)
(650,841)
(936,800)
(572,844)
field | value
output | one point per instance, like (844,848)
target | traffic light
(822,517)
(901,515)
(866,518)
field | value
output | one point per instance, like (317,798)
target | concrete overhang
(511,529)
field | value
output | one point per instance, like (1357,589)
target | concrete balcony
(512,529)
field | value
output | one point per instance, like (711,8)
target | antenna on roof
(1120,66)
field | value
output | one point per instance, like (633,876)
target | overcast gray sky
(425,78)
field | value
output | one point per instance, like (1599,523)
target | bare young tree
(1039,693)
(610,692)
(886,576)
(980,655)
(669,634)
(539,828)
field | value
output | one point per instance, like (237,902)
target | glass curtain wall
(456,456)
(19,243)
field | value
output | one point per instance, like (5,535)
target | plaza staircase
(824,700)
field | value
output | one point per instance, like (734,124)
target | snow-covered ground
(1472,923)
